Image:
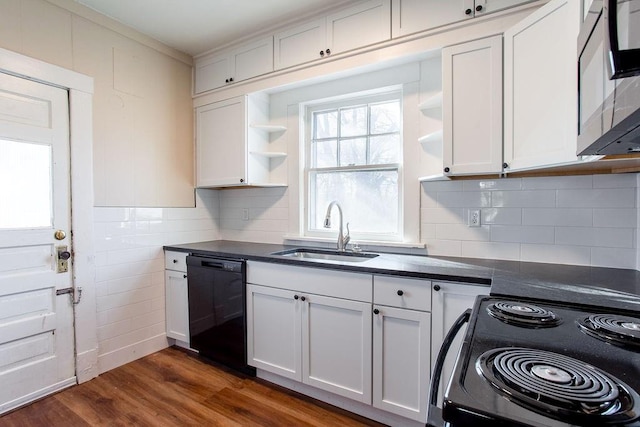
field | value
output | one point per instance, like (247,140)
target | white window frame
(306,195)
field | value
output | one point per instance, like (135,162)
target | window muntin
(354,157)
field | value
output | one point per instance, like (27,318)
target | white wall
(582,220)
(130,273)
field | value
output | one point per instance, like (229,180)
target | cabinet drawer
(414,294)
(334,283)
(175,261)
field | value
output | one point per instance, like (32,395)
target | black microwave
(609,78)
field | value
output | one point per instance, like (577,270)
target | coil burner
(612,328)
(558,386)
(523,314)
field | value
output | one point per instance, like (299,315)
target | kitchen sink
(326,255)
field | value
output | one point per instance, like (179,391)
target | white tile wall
(582,220)
(130,272)
(268,214)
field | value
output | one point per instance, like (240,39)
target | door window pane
(25,196)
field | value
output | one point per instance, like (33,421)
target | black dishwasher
(217,319)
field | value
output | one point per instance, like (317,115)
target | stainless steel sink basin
(326,255)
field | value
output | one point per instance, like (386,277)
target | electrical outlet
(245,214)
(474,218)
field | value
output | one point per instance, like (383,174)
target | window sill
(291,238)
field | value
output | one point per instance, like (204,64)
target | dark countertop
(588,286)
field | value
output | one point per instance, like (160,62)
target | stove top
(527,363)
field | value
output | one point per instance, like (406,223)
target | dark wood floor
(172,388)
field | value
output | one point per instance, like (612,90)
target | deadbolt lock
(62,259)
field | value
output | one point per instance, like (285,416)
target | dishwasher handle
(223,264)
(435,413)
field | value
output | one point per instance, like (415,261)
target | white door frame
(80,89)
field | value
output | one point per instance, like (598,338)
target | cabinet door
(177,305)
(449,301)
(472,107)
(411,16)
(300,44)
(336,346)
(252,59)
(401,361)
(540,82)
(273,331)
(371,20)
(211,72)
(221,143)
(489,6)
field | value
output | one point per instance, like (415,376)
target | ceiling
(196,26)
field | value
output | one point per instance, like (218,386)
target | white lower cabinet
(336,346)
(449,301)
(401,346)
(323,341)
(176,296)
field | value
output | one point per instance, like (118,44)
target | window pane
(25,199)
(353,121)
(369,200)
(325,124)
(325,154)
(385,117)
(384,149)
(353,152)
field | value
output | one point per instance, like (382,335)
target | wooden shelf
(431,103)
(269,154)
(431,138)
(268,128)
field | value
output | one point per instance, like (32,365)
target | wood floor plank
(173,388)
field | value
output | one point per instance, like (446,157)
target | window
(354,152)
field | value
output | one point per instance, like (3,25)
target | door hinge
(73,292)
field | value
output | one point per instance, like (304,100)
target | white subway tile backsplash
(620,180)
(442,215)
(597,198)
(524,199)
(491,250)
(501,216)
(522,234)
(462,199)
(556,183)
(558,217)
(614,218)
(461,232)
(613,257)
(493,184)
(555,254)
(583,220)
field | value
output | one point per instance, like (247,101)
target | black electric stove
(533,363)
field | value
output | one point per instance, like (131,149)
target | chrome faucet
(342,240)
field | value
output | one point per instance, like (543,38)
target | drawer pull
(184,276)
(296,297)
(376,311)
(303,298)
(400,292)
(175,261)
(436,287)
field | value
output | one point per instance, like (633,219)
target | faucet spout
(342,240)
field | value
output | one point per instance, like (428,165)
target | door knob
(59,235)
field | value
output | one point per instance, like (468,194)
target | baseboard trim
(87,365)
(30,398)
(124,355)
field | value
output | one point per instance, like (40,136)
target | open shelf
(268,128)
(431,138)
(438,177)
(431,103)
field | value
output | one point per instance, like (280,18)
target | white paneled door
(36,324)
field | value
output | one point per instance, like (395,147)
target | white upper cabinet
(233,143)
(472,107)
(412,16)
(243,62)
(540,86)
(365,23)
